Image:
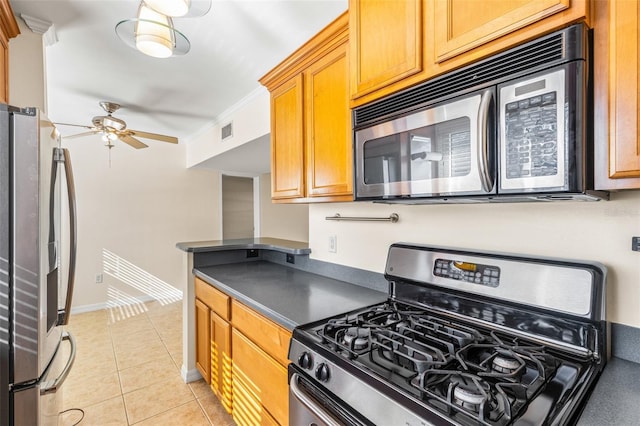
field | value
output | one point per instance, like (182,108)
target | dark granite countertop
(616,397)
(288,296)
(275,244)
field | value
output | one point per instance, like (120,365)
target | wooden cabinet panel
(617,81)
(269,336)
(221,360)
(287,149)
(8,30)
(212,297)
(203,341)
(249,411)
(328,126)
(386,43)
(461,25)
(264,379)
(4,71)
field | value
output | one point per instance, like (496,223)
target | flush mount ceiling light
(153,34)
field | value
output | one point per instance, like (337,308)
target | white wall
(287,221)
(137,209)
(599,231)
(250,119)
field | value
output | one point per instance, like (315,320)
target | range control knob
(305,361)
(322,372)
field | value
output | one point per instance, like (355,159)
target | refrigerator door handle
(53,385)
(63,315)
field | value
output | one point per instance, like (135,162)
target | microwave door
(533,137)
(440,151)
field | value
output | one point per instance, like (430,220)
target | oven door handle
(309,403)
(483,133)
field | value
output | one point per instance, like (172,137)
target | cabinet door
(264,381)
(221,360)
(287,150)
(328,126)
(4,70)
(385,42)
(203,341)
(461,25)
(623,85)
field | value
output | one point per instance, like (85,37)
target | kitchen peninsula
(250,294)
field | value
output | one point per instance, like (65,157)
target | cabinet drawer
(272,338)
(215,299)
(258,381)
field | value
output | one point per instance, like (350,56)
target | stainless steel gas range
(465,338)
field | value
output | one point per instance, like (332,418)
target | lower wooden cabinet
(260,388)
(221,360)
(203,340)
(243,356)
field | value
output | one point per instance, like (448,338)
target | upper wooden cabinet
(8,29)
(617,106)
(395,45)
(310,120)
(287,150)
(462,25)
(386,43)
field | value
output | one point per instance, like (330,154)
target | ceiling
(232,46)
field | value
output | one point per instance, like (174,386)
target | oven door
(310,405)
(445,150)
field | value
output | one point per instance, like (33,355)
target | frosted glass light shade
(173,8)
(154,36)
(152,33)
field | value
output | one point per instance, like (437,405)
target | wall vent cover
(226,131)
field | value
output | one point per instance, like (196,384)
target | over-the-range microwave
(516,126)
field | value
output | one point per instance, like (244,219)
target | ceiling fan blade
(79,135)
(74,125)
(155,136)
(132,141)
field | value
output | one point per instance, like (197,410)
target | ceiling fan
(113,128)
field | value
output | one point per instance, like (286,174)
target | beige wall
(287,221)
(599,231)
(26,69)
(137,210)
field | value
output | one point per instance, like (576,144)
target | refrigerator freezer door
(35,246)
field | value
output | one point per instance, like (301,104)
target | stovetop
(448,354)
(469,373)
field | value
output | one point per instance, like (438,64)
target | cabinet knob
(305,361)
(322,372)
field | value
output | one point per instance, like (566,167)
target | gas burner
(356,338)
(467,395)
(506,365)
(468,398)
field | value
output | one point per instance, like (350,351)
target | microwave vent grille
(538,54)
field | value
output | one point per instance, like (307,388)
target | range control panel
(465,271)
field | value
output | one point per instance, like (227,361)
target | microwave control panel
(469,272)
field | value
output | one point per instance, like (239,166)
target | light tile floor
(127,371)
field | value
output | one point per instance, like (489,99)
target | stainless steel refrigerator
(36,353)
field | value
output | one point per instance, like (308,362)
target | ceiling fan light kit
(152,32)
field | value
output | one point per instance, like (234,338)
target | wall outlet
(333,244)
(635,243)
(99,278)
(290,258)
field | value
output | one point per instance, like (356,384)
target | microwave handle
(483,146)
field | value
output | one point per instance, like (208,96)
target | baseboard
(99,306)
(190,375)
